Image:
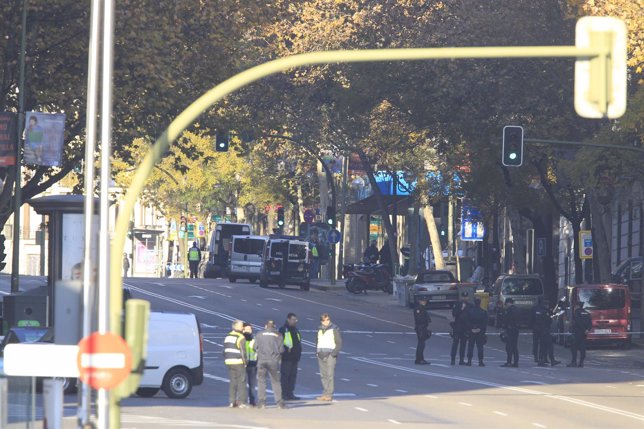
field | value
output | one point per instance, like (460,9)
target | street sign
(40,360)
(309,216)
(215,218)
(334,236)
(472,228)
(600,82)
(585,244)
(104,360)
(541,246)
(202,230)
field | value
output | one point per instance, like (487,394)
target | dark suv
(524,289)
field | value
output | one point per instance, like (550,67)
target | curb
(327,287)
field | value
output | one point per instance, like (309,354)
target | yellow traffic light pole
(601,55)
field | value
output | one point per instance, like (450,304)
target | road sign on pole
(541,246)
(334,236)
(585,244)
(309,216)
(104,360)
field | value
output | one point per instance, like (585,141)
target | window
(602,299)
(436,278)
(522,287)
(249,246)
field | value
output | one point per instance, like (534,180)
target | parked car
(524,289)
(175,355)
(609,306)
(439,287)
(246,255)
(286,262)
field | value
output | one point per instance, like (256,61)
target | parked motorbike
(359,278)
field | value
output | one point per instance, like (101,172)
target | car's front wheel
(177,383)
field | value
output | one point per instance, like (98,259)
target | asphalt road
(377,383)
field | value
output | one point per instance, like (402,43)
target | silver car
(439,287)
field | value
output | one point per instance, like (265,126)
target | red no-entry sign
(104,360)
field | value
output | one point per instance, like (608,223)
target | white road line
(401,391)
(539,425)
(345,379)
(611,387)
(391,342)
(212,342)
(361,409)
(372,385)
(431,396)
(244,300)
(413,348)
(394,421)
(499,413)
(368,335)
(259,305)
(522,390)
(533,382)
(276,309)
(466,404)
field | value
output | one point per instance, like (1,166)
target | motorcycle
(363,277)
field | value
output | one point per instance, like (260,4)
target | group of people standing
(275,353)
(469,324)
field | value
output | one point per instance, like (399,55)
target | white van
(175,355)
(246,254)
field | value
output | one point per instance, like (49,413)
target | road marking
(372,385)
(394,421)
(259,305)
(401,391)
(611,387)
(273,299)
(5,293)
(539,425)
(368,335)
(308,318)
(466,404)
(197,296)
(533,382)
(361,409)
(212,342)
(244,300)
(378,318)
(499,413)
(206,326)
(276,309)
(391,342)
(214,377)
(345,379)
(523,390)
(162,421)
(431,396)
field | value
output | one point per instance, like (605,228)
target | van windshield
(249,246)
(522,287)
(602,299)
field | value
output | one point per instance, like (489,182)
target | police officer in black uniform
(511,325)
(460,327)
(477,318)
(546,346)
(421,326)
(538,323)
(581,326)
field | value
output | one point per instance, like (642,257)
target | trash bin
(485,299)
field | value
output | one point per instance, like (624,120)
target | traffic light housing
(280,217)
(512,146)
(3,253)
(222,141)
(330,215)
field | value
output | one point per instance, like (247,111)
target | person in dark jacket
(581,325)
(460,326)
(421,326)
(329,344)
(385,256)
(251,364)
(371,254)
(511,326)
(269,345)
(291,356)
(538,323)
(477,318)
(546,346)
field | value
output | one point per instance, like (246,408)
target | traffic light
(280,217)
(3,254)
(330,215)
(222,140)
(512,146)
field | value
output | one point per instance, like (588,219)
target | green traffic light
(513,155)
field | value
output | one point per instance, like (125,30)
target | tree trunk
(518,241)
(437,251)
(413,244)
(579,267)
(601,238)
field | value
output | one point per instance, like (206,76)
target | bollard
(52,390)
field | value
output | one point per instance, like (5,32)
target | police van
(246,255)
(286,262)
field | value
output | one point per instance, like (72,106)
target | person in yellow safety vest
(194,257)
(235,360)
(251,364)
(315,257)
(290,357)
(329,343)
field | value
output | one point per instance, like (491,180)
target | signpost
(585,244)
(333,236)
(104,360)
(472,228)
(309,216)
(541,246)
